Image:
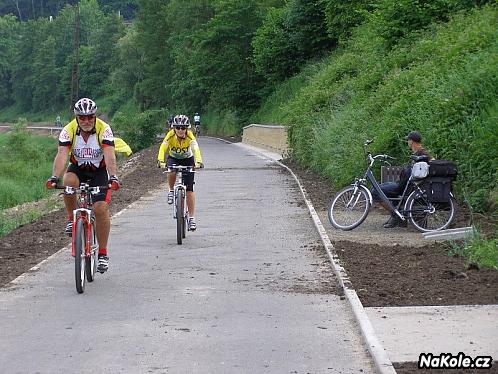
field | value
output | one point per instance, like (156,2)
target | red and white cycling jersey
(87,154)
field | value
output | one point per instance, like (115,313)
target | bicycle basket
(420,170)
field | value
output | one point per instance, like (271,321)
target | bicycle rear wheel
(91,261)
(428,216)
(79,255)
(180,215)
(349,208)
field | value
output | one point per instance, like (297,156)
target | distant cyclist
(181,148)
(170,122)
(197,124)
(89,142)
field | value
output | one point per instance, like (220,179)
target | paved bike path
(250,292)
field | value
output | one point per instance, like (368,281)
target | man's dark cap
(415,136)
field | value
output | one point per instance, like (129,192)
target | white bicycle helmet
(85,107)
(181,120)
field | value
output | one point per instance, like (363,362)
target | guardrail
(450,234)
(270,137)
(51,129)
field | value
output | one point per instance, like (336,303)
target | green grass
(25,163)
(478,250)
(12,113)
(10,219)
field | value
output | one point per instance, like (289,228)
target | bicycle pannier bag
(442,168)
(438,189)
(420,170)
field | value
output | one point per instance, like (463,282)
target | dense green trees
(34,9)
(8,32)
(289,37)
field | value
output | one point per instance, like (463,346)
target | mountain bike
(84,246)
(417,204)
(180,210)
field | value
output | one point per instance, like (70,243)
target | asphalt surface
(243,294)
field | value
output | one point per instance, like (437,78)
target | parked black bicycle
(426,202)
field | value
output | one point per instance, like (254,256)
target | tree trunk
(18,10)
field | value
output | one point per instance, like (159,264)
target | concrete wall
(270,137)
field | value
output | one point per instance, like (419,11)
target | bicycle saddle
(419,158)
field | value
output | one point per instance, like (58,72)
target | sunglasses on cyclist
(92,116)
(180,127)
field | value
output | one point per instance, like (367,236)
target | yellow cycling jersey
(180,148)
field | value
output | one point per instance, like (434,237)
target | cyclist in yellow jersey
(182,149)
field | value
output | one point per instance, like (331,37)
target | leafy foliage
(289,37)
(343,15)
(140,130)
(395,19)
(225,41)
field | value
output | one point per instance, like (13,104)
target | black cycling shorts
(99,177)
(188,177)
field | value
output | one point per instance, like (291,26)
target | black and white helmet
(85,107)
(181,120)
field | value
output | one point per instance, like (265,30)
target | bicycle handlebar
(84,187)
(180,168)
(385,157)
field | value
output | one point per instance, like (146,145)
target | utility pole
(76,58)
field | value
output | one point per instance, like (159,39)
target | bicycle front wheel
(429,216)
(349,208)
(91,261)
(180,215)
(79,255)
(185,225)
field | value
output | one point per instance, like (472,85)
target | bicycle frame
(83,212)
